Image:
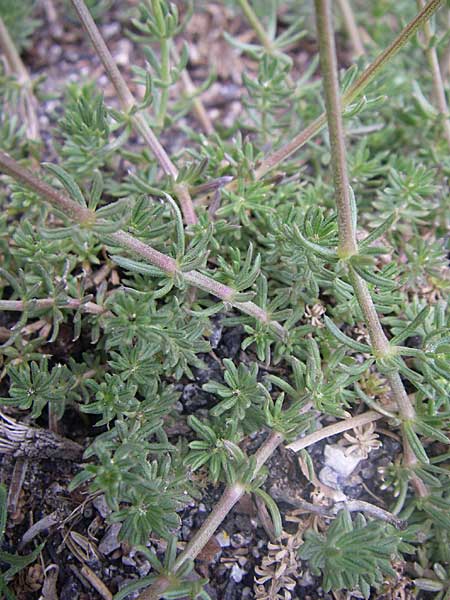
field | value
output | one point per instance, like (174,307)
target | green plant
(15,561)
(339,298)
(19,18)
(334,554)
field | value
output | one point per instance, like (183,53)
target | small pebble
(224,539)
(237,573)
(109,542)
(341,463)
(101,506)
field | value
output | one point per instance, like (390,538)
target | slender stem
(165,78)
(158,259)
(166,263)
(334,429)
(17,67)
(379,341)
(191,90)
(329,68)
(444,63)
(274,159)
(231,495)
(128,103)
(229,498)
(124,95)
(57,199)
(380,344)
(186,204)
(256,24)
(370,509)
(12,56)
(438,84)
(352,27)
(265,40)
(43,303)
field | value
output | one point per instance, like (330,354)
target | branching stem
(192,93)
(87,218)
(165,77)
(328,64)
(43,303)
(274,159)
(257,27)
(438,84)
(129,104)
(347,234)
(334,429)
(232,494)
(352,27)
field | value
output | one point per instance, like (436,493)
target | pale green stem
(232,494)
(87,218)
(352,27)
(438,84)
(165,78)
(267,43)
(379,342)
(256,24)
(128,103)
(191,91)
(44,303)
(328,64)
(28,99)
(334,429)
(71,209)
(378,339)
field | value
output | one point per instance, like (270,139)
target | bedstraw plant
(315,225)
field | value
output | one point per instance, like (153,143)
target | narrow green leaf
(203,430)
(344,339)
(322,251)
(273,510)
(134,586)
(431,432)
(412,327)
(137,267)
(373,278)
(68,182)
(414,442)
(379,231)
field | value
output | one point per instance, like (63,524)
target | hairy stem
(274,159)
(329,68)
(191,91)
(43,303)
(378,339)
(379,342)
(166,263)
(444,62)
(128,103)
(232,494)
(255,23)
(266,42)
(438,84)
(352,27)
(57,199)
(334,429)
(165,78)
